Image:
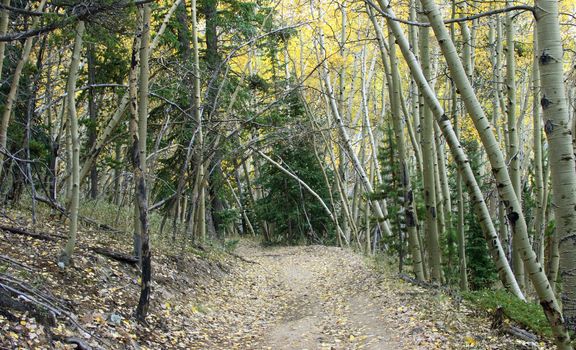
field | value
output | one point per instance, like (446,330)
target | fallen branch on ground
(118,256)
(501,326)
(85,219)
(121,257)
(243,258)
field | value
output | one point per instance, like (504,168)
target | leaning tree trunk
(561,155)
(477,197)
(66,254)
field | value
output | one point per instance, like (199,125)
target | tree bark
(140,171)
(66,254)
(561,155)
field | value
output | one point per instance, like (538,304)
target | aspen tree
(141,171)
(66,253)
(561,155)
(477,198)
(514,150)
(428,176)
(3,28)
(200,185)
(460,234)
(133,75)
(500,171)
(539,224)
(414,94)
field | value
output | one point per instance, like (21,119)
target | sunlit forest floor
(305,297)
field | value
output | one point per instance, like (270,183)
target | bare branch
(85,14)
(452,20)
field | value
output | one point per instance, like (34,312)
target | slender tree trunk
(513,154)
(66,254)
(140,171)
(93,118)
(4,19)
(428,160)
(539,224)
(200,231)
(133,129)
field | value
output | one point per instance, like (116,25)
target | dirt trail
(312,297)
(327,306)
(318,297)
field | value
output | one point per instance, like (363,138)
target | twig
(243,258)
(14,262)
(452,20)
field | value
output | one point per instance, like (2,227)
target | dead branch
(80,344)
(121,257)
(243,258)
(14,262)
(85,219)
(118,256)
(40,236)
(501,326)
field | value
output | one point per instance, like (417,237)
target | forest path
(317,297)
(326,301)
(304,297)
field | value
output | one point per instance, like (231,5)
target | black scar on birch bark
(545,102)
(545,58)
(548,127)
(552,314)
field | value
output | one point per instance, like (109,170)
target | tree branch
(452,20)
(80,12)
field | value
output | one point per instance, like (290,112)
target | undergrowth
(527,314)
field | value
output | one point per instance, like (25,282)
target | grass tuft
(527,314)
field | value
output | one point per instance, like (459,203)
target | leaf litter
(305,297)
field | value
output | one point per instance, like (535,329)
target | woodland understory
(208,174)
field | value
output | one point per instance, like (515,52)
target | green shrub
(527,314)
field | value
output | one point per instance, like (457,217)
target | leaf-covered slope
(312,297)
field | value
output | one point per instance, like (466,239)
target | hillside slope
(311,297)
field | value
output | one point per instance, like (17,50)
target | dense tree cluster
(439,133)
